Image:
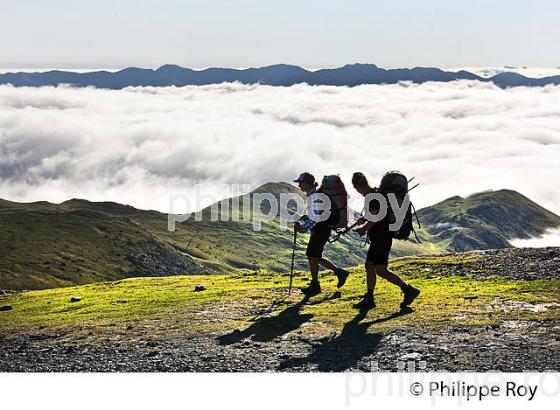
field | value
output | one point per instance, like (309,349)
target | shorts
(380,247)
(320,234)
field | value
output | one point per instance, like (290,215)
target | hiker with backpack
(381,237)
(320,231)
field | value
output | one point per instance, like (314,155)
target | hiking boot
(313,289)
(367,302)
(342,275)
(410,294)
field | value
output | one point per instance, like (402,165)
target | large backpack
(332,186)
(396,183)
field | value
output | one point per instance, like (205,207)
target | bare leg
(368,301)
(370,276)
(327,264)
(314,267)
(385,273)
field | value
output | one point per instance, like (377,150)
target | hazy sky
(311,33)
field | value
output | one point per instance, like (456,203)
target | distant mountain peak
(486,220)
(170,68)
(277,188)
(510,74)
(360,65)
(290,66)
(129,70)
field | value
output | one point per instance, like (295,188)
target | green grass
(168,305)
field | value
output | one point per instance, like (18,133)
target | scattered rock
(74,299)
(199,288)
(5,308)
(513,263)
(411,356)
(159,259)
(129,327)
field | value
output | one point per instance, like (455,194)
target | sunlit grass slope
(170,306)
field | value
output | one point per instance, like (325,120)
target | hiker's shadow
(266,329)
(345,350)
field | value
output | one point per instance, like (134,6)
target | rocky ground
(511,347)
(278,342)
(512,263)
(526,263)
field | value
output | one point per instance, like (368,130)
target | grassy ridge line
(169,305)
(78,242)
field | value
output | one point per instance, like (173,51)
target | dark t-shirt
(381,227)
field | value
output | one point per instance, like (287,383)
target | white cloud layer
(138,145)
(550,238)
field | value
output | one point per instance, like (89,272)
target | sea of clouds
(141,144)
(550,238)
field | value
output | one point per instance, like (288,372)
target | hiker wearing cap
(381,240)
(320,233)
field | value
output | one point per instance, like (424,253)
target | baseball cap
(305,177)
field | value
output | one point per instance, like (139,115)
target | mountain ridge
(489,219)
(77,241)
(274,75)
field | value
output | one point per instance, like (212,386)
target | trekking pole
(275,304)
(293,260)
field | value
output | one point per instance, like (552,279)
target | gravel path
(513,346)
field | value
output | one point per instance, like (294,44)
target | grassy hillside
(486,220)
(169,306)
(77,242)
(48,245)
